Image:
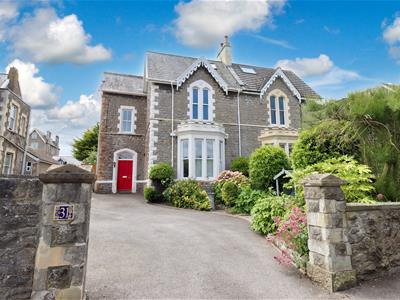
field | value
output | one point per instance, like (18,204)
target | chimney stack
(225,53)
(48,135)
(57,140)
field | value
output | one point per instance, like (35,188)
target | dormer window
(201,101)
(278,109)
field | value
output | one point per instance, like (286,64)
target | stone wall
(348,242)
(20,212)
(43,250)
(374,235)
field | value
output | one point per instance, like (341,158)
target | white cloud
(203,23)
(45,37)
(335,76)
(331,30)
(79,114)
(8,12)
(320,71)
(35,91)
(391,34)
(276,42)
(307,66)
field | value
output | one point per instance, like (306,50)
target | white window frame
(278,94)
(28,167)
(201,85)
(13,116)
(121,110)
(218,165)
(8,164)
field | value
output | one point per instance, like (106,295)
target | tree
(85,148)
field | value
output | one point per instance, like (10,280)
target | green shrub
(265,163)
(230,192)
(247,199)
(241,164)
(267,209)
(359,186)
(188,194)
(162,172)
(233,176)
(151,195)
(329,139)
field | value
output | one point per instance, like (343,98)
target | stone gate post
(330,252)
(61,258)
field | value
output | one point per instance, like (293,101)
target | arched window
(201,101)
(278,109)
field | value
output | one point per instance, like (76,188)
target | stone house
(41,150)
(14,124)
(193,113)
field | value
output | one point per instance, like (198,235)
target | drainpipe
(238,117)
(172,124)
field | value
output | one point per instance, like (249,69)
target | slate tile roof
(122,83)
(168,67)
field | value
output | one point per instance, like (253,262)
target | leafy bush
(241,164)
(188,194)
(225,176)
(265,163)
(151,195)
(247,199)
(266,209)
(230,192)
(359,187)
(162,172)
(329,139)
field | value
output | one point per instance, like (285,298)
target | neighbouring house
(41,149)
(67,159)
(193,113)
(14,124)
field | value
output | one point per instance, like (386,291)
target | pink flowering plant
(292,232)
(234,177)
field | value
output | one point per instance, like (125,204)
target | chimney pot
(225,53)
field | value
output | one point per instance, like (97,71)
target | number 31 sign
(64,212)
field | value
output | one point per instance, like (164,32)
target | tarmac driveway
(138,250)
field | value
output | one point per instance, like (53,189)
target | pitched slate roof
(44,137)
(168,67)
(122,83)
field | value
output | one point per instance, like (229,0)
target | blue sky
(63,47)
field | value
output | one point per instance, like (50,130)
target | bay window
(210,158)
(198,158)
(185,158)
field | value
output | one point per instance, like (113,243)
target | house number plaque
(63,212)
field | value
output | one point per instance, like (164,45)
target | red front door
(124,180)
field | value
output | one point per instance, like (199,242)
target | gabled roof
(44,137)
(122,83)
(279,73)
(167,67)
(201,62)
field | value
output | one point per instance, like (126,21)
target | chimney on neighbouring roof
(14,83)
(57,140)
(48,134)
(225,53)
